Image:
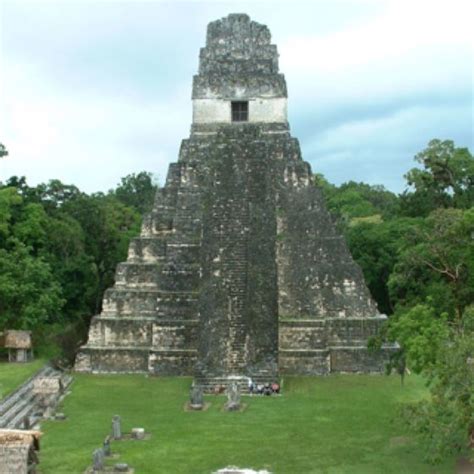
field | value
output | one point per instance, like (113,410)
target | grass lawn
(333,425)
(14,374)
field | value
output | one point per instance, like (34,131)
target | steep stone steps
(23,403)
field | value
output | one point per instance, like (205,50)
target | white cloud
(381,150)
(88,140)
(403,28)
(88,93)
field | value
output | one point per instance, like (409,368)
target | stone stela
(233,398)
(196,398)
(116,427)
(238,271)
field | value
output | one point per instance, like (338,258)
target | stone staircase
(235,269)
(22,402)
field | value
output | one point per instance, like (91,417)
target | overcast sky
(94,90)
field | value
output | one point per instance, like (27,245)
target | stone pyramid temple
(238,271)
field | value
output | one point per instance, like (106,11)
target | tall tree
(446,179)
(108,225)
(3,150)
(437,260)
(29,293)
(137,190)
(375,246)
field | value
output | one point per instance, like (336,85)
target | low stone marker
(233,398)
(238,470)
(106,446)
(116,427)
(138,433)
(121,467)
(196,398)
(98,459)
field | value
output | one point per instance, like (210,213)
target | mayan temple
(238,271)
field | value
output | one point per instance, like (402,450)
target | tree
(29,294)
(446,179)
(437,260)
(3,150)
(445,422)
(59,249)
(421,331)
(432,285)
(352,201)
(9,202)
(137,190)
(73,268)
(108,226)
(375,246)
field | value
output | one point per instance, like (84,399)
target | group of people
(264,389)
(253,388)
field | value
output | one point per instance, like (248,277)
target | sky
(91,91)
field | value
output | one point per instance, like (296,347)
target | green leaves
(137,191)
(446,421)
(29,294)
(9,201)
(58,251)
(3,150)
(446,179)
(436,259)
(420,332)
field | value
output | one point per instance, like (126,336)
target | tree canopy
(58,251)
(3,150)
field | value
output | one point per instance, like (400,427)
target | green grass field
(14,374)
(337,424)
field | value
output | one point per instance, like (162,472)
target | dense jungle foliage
(58,251)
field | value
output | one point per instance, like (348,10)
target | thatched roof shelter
(18,450)
(13,339)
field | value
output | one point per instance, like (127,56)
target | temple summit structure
(238,271)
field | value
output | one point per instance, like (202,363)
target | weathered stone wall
(112,360)
(149,317)
(172,362)
(327,332)
(320,346)
(261,110)
(360,360)
(317,276)
(304,362)
(238,300)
